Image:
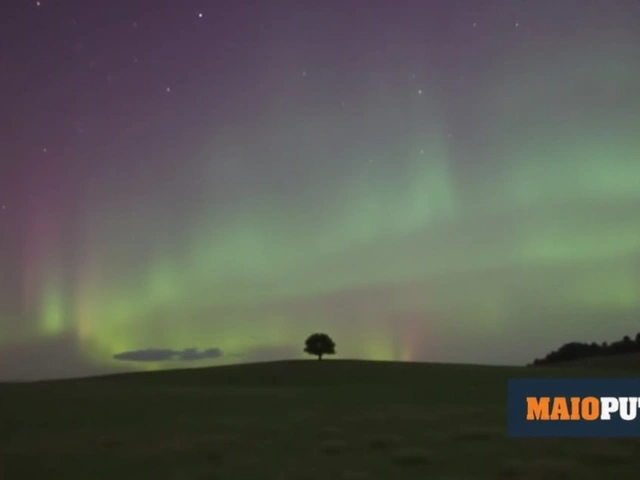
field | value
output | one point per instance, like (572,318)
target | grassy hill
(292,420)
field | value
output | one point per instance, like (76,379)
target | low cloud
(168,355)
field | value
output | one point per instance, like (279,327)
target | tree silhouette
(320,344)
(576,350)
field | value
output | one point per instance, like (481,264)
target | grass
(299,420)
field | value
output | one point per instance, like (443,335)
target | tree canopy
(577,350)
(320,344)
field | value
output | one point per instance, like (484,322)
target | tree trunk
(320,356)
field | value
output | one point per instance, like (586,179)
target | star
(44,150)
(517,24)
(421,152)
(475,25)
(168,89)
(304,73)
(419,92)
(38,4)
(4,207)
(200,15)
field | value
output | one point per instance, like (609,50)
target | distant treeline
(577,350)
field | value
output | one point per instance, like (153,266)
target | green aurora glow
(533,222)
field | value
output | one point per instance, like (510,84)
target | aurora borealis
(423,180)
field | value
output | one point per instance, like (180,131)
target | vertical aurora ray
(45,299)
(52,314)
(39,230)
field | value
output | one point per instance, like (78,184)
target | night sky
(188,183)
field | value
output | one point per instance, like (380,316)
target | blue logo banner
(573,408)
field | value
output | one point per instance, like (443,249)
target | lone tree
(320,344)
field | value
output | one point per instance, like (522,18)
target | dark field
(299,420)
